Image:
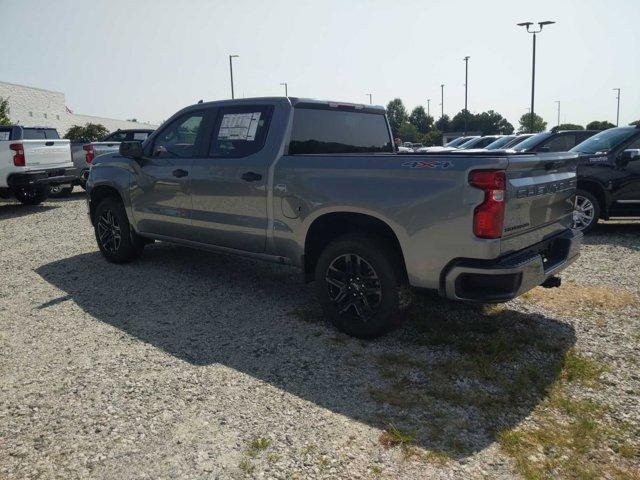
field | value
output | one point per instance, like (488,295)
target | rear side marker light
(488,217)
(18,154)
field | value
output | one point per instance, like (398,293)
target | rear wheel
(116,240)
(31,197)
(358,285)
(586,211)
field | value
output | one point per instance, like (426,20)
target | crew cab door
(229,183)
(160,196)
(626,188)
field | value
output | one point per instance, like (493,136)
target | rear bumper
(505,278)
(42,178)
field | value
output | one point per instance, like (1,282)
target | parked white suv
(32,159)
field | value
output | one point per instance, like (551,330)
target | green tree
(91,132)
(637,122)
(567,126)
(420,120)
(408,132)
(599,125)
(397,115)
(444,124)
(492,123)
(539,125)
(434,137)
(4,111)
(457,122)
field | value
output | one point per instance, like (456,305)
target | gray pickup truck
(318,185)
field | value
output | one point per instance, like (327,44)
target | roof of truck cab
(296,102)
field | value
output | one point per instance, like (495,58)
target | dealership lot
(195,365)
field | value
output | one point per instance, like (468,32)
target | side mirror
(543,149)
(132,149)
(629,155)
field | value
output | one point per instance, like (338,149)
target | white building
(31,106)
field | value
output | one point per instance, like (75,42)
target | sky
(147,59)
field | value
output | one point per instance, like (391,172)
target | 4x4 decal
(428,164)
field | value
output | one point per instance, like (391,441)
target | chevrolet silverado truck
(319,185)
(32,159)
(608,177)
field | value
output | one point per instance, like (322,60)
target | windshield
(470,143)
(518,139)
(531,142)
(457,141)
(605,141)
(499,143)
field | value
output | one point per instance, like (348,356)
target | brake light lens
(18,154)
(488,217)
(89,156)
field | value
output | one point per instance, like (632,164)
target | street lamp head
(234,56)
(546,22)
(525,24)
(466,58)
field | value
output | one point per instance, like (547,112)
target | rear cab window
(33,134)
(334,131)
(5,133)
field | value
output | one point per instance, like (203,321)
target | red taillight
(18,156)
(89,155)
(488,217)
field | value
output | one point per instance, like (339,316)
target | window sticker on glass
(239,126)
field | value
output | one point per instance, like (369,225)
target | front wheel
(116,240)
(358,285)
(586,211)
(31,197)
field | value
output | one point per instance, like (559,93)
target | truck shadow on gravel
(17,210)
(449,380)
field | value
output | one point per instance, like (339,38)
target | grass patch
(578,368)
(257,445)
(394,437)
(247,467)
(571,297)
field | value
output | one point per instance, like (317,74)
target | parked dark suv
(561,141)
(608,177)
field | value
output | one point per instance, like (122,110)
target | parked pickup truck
(608,176)
(83,154)
(318,185)
(31,160)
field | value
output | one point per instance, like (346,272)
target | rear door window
(337,132)
(240,131)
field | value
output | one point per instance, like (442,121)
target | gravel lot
(194,365)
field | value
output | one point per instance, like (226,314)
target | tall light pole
(286,89)
(558,102)
(618,110)
(466,83)
(533,63)
(370,98)
(442,100)
(428,107)
(231,57)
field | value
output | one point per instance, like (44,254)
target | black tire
(114,235)
(378,268)
(59,191)
(32,197)
(581,220)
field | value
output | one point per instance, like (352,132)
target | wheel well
(100,193)
(330,226)
(598,192)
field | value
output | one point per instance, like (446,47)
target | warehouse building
(32,106)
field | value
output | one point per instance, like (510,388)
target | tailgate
(44,154)
(100,148)
(539,198)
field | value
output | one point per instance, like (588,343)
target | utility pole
(286,90)
(442,100)
(466,83)
(231,57)
(370,98)
(428,106)
(618,111)
(533,64)
(558,102)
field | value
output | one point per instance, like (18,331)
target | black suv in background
(561,141)
(608,176)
